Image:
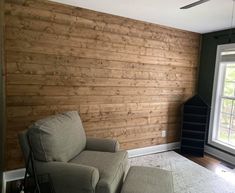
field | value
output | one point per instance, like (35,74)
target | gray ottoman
(148,180)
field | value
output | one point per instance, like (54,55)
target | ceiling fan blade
(194,4)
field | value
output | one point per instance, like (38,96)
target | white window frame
(216,102)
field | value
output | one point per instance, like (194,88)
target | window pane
(233,123)
(223,134)
(226,106)
(224,127)
(224,120)
(229,84)
(232,132)
(229,89)
(230,73)
(232,138)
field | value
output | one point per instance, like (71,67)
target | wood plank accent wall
(2,94)
(127,78)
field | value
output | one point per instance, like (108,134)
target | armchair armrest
(68,177)
(106,145)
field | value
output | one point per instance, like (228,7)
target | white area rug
(188,176)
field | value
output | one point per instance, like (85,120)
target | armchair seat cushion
(111,167)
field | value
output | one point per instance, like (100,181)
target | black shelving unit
(194,126)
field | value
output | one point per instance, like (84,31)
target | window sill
(214,151)
(223,146)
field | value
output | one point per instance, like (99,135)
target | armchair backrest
(59,137)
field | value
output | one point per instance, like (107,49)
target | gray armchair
(76,164)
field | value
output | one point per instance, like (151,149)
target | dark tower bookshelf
(194,126)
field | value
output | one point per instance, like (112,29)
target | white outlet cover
(163,133)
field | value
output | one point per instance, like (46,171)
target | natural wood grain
(92,72)
(76,20)
(80,42)
(95,35)
(2,94)
(60,60)
(83,51)
(126,78)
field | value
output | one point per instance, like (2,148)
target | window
(222,122)
(226,131)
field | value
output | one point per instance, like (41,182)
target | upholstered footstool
(148,180)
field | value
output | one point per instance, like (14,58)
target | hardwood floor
(221,168)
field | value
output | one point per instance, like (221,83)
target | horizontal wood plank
(96,16)
(35,90)
(93,43)
(92,34)
(83,51)
(71,100)
(20,58)
(53,17)
(21,68)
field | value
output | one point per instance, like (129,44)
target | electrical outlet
(163,133)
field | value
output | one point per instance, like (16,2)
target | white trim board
(19,173)
(153,149)
(14,175)
(220,154)
(11,176)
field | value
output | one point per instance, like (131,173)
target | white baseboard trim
(19,173)
(11,176)
(153,149)
(220,154)
(14,174)
(3,190)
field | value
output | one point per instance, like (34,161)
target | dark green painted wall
(209,45)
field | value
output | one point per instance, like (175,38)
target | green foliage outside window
(227,118)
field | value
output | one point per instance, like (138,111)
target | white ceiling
(210,16)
